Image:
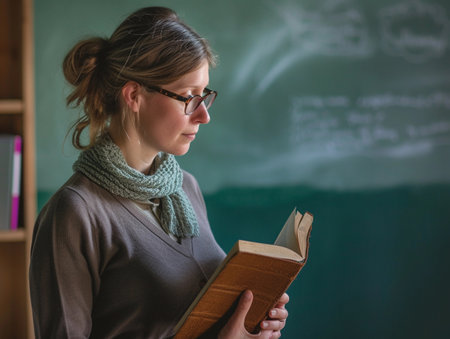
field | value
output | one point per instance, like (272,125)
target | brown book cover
(267,270)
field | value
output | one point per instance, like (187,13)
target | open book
(266,270)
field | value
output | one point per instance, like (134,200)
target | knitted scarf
(105,165)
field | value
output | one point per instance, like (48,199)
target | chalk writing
(337,28)
(340,125)
(414,30)
(434,100)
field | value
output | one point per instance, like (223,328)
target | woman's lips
(190,136)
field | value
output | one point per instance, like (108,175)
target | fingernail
(273,313)
(247,295)
(264,324)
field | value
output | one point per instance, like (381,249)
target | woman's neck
(135,153)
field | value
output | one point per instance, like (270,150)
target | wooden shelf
(12,236)
(11,106)
(17,117)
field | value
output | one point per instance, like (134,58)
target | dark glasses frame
(186,100)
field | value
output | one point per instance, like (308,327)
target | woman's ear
(130,95)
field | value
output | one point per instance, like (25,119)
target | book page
(288,234)
(304,226)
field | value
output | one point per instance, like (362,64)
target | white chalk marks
(384,124)
(337,28)
(416,31)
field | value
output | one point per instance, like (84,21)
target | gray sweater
(101,268)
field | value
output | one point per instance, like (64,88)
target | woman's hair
(152,46)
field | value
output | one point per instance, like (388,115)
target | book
(10,171)
(265,269)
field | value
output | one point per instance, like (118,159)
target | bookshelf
(17,117)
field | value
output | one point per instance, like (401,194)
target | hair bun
(83,58)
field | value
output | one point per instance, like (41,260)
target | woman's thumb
(234,328)
(245,302)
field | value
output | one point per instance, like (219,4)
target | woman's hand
(270,328)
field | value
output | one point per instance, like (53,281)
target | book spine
(17,160)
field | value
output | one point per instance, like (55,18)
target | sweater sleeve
(64,268)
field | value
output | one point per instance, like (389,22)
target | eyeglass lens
(197,101)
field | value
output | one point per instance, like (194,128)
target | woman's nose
(201,115)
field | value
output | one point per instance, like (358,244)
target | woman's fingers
(282,301)
(273,325)
(278,313)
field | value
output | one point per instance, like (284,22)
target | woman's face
(162,124)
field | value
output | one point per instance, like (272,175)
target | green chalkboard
(333,93)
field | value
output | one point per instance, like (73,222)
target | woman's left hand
(277,317)
(270,328)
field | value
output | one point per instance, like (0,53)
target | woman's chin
(181,151)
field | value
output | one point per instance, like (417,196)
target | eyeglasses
(192,102)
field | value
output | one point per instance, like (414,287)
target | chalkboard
(343,94)
(336,94)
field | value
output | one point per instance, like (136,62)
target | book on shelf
(10,172)
(265,269)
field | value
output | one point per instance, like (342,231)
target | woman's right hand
(235,329)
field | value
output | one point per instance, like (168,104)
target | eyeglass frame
(186,100)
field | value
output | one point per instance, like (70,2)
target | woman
(124,246)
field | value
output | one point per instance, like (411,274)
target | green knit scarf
(104,164)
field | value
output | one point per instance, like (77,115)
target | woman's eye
(193,92)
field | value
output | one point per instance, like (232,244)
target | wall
(339,107)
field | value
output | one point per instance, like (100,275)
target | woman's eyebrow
(190,87)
